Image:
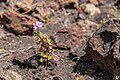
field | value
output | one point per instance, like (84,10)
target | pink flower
(37,25)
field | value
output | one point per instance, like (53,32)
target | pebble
(95,2)
(91,9)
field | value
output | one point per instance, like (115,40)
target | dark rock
(118,4)
(57,78)
(68,4)
(3,1)
(25,60)
(104,46)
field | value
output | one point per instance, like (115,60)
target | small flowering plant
(45,46)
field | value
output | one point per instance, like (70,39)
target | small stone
(81,16)
(91,9)
(95,2)
(84,77)
(57,78)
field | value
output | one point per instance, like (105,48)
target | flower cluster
(37,25)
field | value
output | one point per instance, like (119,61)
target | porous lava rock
(104,46)
(17,23)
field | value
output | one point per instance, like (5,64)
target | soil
(69,28)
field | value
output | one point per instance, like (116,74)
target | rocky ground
(85,36)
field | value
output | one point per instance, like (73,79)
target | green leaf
(46,17)
(49,57)
(36,33)
(45,56)
(41,60)
(42,54)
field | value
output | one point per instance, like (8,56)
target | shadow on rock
(31,62)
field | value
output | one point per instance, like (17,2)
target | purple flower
(37,25)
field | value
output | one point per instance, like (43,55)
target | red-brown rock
(17,23)
(68,37)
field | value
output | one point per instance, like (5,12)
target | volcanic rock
(104,46)
(17,23)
